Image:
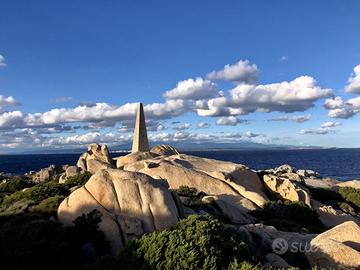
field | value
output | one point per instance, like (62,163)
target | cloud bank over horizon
(204,98)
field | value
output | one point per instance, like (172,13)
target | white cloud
(295,118)
(202,125)
(192,90)
(2,61)
(330,124)
(338,108)
(240,72)
(7,101)
(183,126)
(297,95)
(354,81)
(227,121)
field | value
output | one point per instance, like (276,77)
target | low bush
(49,205)
(198,242)
(289,216)
(326,196)
(32,241)
(77,180)
(14,184)
(351,195)
(186,191)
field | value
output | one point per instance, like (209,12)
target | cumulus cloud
(295,118)
(2,61)
(7,101)
(283,58)
(339,108)
(330,124)
(240,72)
(353,85)
(230,121)
(202,125)
(297,95)
(183,126)
(192,90)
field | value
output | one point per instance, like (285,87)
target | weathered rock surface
(287,189)
(69,172)
(131,204)
(131,158)
(353,184)
(212,177)
(321,183)
(260,238)
(308,174)
(44,174)
(164,150)
(337,248)
(96,158)
(331,217)
(274,260)
(234,207)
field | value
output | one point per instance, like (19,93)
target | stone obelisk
(140,140)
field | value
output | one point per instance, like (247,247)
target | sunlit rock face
(131,204)
(95,158)
(336,248)
(212,177)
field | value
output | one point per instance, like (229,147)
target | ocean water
(341,164)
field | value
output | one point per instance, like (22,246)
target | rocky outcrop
(96,158)
(131,204)
(331,217)
(233,207)
(131,158)
(260,238)
(287,189)
(69,172)
(308,174)
(212,177)
(353,184)
(321,183)
(336,248)
(44,174)
(164,150)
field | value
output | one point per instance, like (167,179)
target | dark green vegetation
(289,216)
(32,241)
(20,195)
(346,198)
(198,242)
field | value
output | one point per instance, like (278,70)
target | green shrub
(36,194)
(187,191)
(32,241)
(198,242)
(49,205)
(14,184)
(324,195)
(45,190)
(78,180)
(289,216)
(351,195)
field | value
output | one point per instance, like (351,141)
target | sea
(340,164)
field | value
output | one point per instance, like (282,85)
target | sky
(271,72)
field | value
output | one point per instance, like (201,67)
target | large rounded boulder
(131,204)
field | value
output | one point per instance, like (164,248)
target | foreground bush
(14,184)
(351,195)
(198,242)
(49,205)
(77,180)
(31,241)
(289,216)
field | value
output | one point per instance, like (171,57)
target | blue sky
(72,71)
